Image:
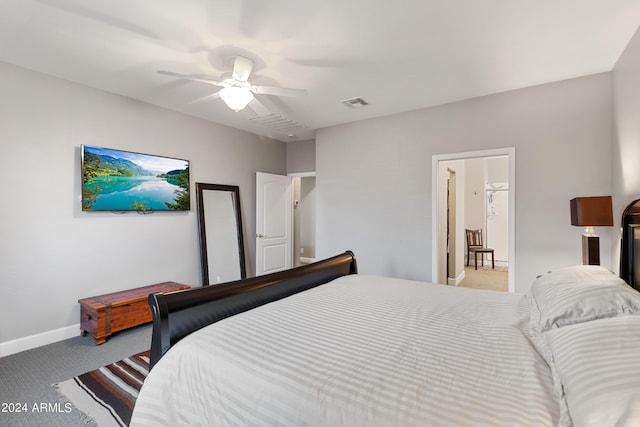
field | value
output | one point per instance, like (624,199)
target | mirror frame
(204,258)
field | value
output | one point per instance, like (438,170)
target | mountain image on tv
(115,180)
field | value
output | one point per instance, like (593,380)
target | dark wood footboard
(177,314)
(630,245)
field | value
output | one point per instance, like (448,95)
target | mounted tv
(116,180)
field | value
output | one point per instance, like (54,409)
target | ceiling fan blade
(242,68)
(209,97)
(277,91)
(193,79)
(258,108)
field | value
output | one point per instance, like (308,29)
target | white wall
(497,169)
(497,212)
(52,253)
(480,172)
(626,141)
(374,176)
(474,190)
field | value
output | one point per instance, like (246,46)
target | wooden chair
(475,246)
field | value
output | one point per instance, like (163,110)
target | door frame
(450,237)
(437,237)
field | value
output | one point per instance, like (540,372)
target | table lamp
(591,212)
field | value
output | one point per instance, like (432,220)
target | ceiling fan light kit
(236,90)
(236,98)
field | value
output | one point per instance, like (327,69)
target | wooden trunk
(103,315)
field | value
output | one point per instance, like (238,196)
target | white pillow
(597,365)
(579,294)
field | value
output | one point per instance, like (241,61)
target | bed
(325,346)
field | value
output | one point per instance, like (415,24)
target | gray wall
(374,176)
(307,210)
(373,183)
(301,159)
(626,130)
(53,253)
(301,156)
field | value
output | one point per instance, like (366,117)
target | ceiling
(398,56)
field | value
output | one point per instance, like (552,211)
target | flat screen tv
(116,180)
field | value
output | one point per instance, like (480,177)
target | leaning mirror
(221,240)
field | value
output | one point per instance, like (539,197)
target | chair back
(474,238)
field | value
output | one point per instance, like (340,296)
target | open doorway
(304,219)
(483,185)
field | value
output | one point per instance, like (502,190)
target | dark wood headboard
(177,314)
(630,245)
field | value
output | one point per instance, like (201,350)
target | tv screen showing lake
(115,180)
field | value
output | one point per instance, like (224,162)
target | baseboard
(305,260)
(486,262)
(37,340)
(456,281)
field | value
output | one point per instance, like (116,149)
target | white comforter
(359,351)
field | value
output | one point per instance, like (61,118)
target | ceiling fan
(237,92)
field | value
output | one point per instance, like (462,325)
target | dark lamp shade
(592,211)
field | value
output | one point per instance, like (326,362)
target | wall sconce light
(591,212)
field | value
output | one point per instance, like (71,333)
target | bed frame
(630,245)
(177,314)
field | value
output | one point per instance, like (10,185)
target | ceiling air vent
(276,121)
(355,103)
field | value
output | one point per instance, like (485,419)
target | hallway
(486,278)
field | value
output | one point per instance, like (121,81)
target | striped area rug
(107,395)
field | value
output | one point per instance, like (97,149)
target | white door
(274,230)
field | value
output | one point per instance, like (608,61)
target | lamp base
(590,250)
